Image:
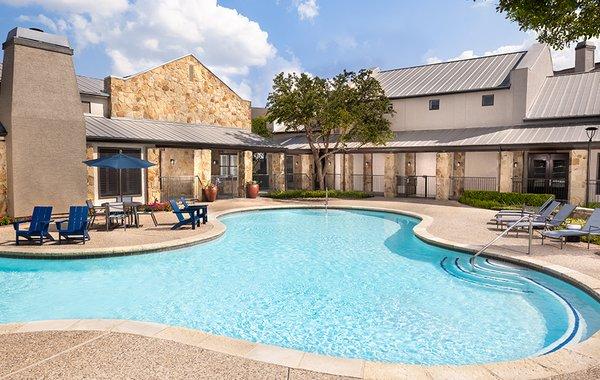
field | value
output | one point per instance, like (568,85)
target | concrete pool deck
(113,349)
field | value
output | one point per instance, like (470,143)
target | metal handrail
(506,231)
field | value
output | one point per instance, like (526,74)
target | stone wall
(368,172)
(506,171)
(577,176)
(458,173)
(3,180)
(183,91)
(443,172)
(390,188)
(89,155)
(153,176)
(276,171)
(244,171)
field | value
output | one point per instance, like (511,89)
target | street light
(590,132)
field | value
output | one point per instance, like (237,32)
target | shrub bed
(495,200)
(294,194)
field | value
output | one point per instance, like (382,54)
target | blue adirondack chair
(38,225)
(201,210)
(181,216)
(77,225)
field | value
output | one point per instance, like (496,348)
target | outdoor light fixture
(172,161)
(515,164)
(458,164)
(590,132)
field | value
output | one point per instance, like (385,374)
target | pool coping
(573,359)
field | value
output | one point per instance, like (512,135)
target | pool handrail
(506,231)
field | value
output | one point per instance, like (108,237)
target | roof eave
(507,87)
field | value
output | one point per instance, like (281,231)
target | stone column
(347,179)
(3,181)
(368,172)
(89,155)
(390,170)
(244,171)
(153,176)
(458,174)
(277,171)
(306,171)
(443,172)
(577,176)
(202,169)
(506,172)
(410,164)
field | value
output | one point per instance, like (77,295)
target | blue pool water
(354,284)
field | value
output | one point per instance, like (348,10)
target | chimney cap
(35,34)
(584,44)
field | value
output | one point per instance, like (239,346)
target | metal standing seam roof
(100,128)
(469,137)
(489,72)
(565,96)
(86,85)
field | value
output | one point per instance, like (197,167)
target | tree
(260,127)
(351,107)
(557,22)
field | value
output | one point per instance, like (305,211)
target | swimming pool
(346,283)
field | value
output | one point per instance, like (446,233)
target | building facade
(505,122)
(178,115)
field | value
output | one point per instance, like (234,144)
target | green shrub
(5,220)
(291,194)
(495,200)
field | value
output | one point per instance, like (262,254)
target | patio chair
(180,216)
(201,210)
(590,228)
(115,211)
(77,225)
(558,219)
(124,198)
(38,225)
(94,211)
(541,217)
(523,211)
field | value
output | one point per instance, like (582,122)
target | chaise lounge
(558,219)
(590,228)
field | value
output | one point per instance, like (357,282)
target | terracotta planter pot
(210,193)
(252,190)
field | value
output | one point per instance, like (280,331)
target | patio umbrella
(119,161)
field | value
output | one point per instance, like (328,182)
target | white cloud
(483,3)
(141,34)
(561,59)
(307,9)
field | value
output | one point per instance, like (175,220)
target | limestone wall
(183,90)
(89,155)
(3,180)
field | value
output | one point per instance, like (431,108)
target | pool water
(346,283)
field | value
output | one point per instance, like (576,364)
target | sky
(247,42)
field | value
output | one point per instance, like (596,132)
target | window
(87,107)
(228,165)
(108,179)
(434,104)
(487,100)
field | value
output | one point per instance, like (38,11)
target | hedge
(496,200)
(291,194)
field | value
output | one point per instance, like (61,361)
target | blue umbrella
(119,161)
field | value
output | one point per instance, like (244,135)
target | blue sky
(246,42)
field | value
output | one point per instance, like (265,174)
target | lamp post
(590,132)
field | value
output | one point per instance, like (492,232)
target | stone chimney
(584,57)
(40,107)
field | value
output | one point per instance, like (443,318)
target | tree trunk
(319,169)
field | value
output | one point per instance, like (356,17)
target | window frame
(230,167)
(137,191)
(432,103)
(89,106)
(487,96)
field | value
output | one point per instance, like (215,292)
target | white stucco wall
(357,167)
(378,172)
(481,164)
(426,167)
(98,105)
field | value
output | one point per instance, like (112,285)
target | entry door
(548,174)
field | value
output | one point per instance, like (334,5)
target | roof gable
(484,73)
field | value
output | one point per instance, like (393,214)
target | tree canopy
(557,22)
(331,112)
(260,127)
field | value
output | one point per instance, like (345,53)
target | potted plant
(252,189)
(209,192)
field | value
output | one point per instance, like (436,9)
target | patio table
(197,209)
(130,209)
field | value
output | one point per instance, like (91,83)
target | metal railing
(459,184)
(371,184)
(299,181)
(558,187)
(178,186)
(227,185)
(593,192)
(506,231)
(263,180)
(416,186)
